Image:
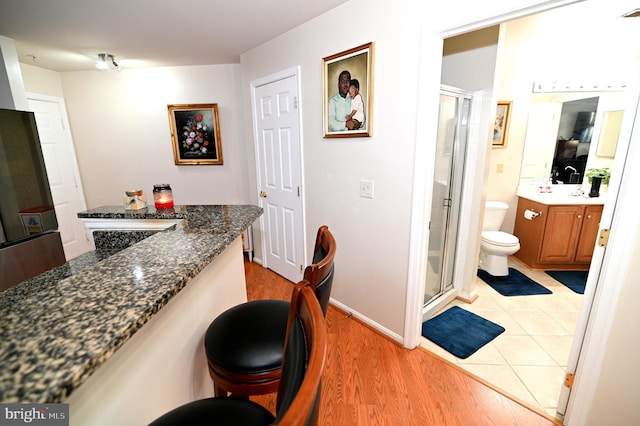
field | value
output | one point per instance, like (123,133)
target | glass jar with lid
(162,196)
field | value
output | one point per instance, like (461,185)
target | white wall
(120,127)
(532,52)
(12,93)
(41,81)
(372,234)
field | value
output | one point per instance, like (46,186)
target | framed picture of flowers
(195,133)
(501,125)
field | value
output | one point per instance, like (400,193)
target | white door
(62,171)
(279,171)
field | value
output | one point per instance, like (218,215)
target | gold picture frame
(195,134)
(356,66)
(501,125)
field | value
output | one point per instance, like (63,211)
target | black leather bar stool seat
(249,346)
(227,411)
(244,344)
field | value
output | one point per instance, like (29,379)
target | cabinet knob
(588,216)
(579,216)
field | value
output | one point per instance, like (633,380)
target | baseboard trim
(366,321)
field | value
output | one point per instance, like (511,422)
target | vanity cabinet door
(561,234)
(530,232)
(588,233)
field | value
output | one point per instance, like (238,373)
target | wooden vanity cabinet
(561,238)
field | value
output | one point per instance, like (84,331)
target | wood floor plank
(371,380)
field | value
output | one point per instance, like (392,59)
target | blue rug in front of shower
(575,280)
(514,284)
(460,332)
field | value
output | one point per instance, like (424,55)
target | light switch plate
(366,188)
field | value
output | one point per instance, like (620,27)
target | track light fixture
(106,62)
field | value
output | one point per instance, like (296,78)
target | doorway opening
(497,163)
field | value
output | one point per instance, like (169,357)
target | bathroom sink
(562,198)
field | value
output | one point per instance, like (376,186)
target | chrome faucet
(571,168)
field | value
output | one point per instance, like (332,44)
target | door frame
(73,160)
(598,309)
(447,295)
(272,78)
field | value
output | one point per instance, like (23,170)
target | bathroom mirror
(569,133)
(573,141)
(611,125)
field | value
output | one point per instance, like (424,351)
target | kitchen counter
(58,328)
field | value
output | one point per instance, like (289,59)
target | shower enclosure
(451,146)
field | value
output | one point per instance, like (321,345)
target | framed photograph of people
(347,93)
(195,133)
(501,125)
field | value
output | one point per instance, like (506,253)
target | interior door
(277,138)
(62,171)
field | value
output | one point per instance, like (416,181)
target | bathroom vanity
(562,235)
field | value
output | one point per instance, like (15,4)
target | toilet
(496,245)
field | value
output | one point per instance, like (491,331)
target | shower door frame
(455,187)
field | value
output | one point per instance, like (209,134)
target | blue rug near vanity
(460,332)
(514,284)
(575,280)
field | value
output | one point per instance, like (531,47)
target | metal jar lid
(161,186)
(137,192)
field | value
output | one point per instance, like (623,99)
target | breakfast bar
(117,333)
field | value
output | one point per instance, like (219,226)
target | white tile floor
(529,359)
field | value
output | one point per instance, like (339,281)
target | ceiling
(68,35)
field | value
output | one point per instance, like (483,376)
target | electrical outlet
(500,168)
(366,188)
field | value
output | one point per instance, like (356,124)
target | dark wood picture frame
(195,133)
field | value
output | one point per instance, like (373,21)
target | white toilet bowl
(495,247)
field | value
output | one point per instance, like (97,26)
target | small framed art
(501,125)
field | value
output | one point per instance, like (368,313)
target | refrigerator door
(26,205)
(19,262)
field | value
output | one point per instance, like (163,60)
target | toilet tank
(494,213)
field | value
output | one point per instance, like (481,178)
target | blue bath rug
(575,280)
(514,284)
(460,332)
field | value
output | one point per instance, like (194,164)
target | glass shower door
(451,142)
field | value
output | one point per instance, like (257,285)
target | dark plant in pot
(603,173)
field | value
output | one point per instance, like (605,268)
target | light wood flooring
(371,380)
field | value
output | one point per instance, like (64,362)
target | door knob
(263,194)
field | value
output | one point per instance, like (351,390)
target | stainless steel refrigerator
(29,239)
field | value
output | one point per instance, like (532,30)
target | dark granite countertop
(57,328)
